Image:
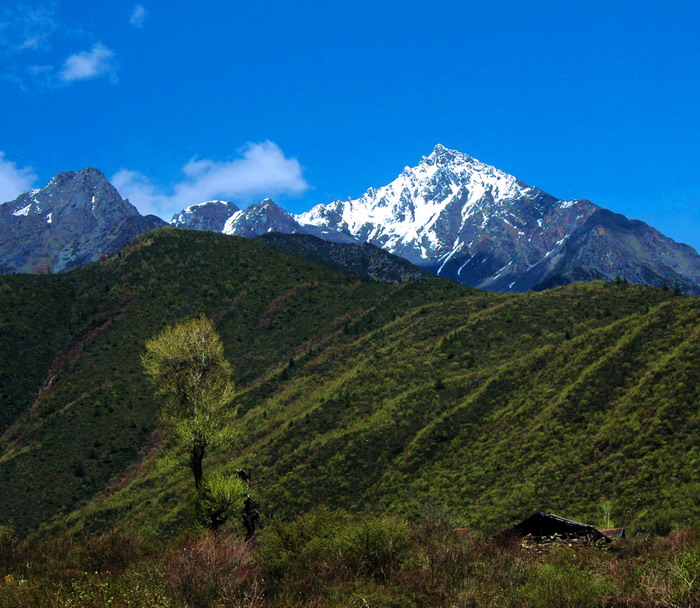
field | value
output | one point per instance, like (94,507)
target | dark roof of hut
(546,524)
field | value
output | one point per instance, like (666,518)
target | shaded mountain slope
(360,260)
(86,410)
(362,395)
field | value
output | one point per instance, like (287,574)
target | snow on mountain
(476,224)
(260,218)
(448,212)
(406,214)
(210,215)
(255,220)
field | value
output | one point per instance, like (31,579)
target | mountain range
(450,214)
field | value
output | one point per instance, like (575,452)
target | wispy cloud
(262,169)
(24,28)
(13,179)
(138,16)
(86,65)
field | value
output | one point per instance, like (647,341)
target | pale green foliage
(220,496)
(606,520)
(684,578)
(186,364)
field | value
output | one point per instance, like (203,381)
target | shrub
(322,550)
(213,568)
(674,578)
(9,547)
(375,547)
(111,552)
(302,555)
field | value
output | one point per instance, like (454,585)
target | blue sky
(311,101)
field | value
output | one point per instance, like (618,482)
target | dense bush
(317,550)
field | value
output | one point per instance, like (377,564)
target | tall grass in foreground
(332,559)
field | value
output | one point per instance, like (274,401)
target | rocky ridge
(77,218)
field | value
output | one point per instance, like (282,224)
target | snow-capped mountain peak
(260,218)
(421,212)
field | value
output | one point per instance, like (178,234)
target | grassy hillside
(353,394)
(76,393)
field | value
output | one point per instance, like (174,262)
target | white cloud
(261,170)
(13,179)
(138,16)
(98,61)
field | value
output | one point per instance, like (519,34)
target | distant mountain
(450,214)
(263,217)
(473,223)
(269,222)
(478,225)
(255,220)
(77,218)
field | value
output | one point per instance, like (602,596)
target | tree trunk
(196,457)
(250,517)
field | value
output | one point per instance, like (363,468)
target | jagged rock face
(476,224)
(609,245)
(77,218)
(210,215)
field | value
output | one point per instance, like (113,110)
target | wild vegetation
(332,559)
(353,394)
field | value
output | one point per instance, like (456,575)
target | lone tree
(187,366)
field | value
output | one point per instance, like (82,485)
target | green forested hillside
(352,394)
